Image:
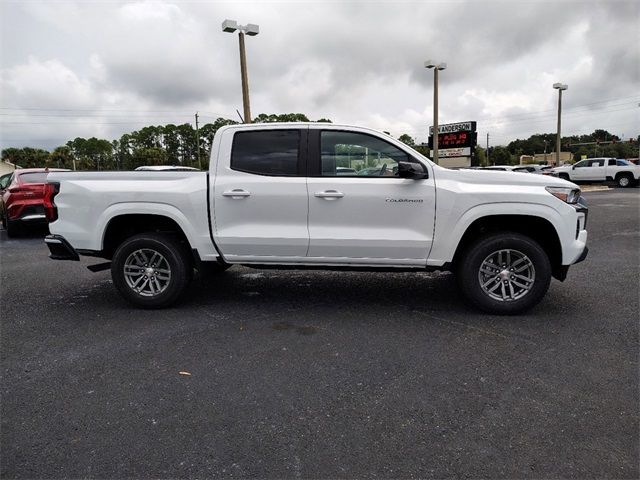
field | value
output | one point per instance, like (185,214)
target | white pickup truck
(623,173)
(320,196)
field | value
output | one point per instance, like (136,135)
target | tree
(480,157)
(92,153)
(188,150)
(207,133)
(423,149)
(62,157)
(407,139)
(26,157)
(500,156)
(149,156)
(284,117)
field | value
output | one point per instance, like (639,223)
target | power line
(497,121)
(42,109)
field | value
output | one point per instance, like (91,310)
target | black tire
(14,229)
(624,180)
(564,176)
(522,249)
(175,259)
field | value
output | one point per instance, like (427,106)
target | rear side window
(36,177)
(267,152)
(612,162)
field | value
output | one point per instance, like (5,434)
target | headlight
(566,194)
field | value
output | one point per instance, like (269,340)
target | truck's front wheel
(624,180)
(151,270)
(505,273)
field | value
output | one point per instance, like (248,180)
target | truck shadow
(316,288)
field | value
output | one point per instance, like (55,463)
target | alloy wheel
(147,272)
(506,275)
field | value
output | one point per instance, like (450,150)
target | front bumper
(583,255)
(60,249)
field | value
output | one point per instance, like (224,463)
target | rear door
(260,201)
(373,216)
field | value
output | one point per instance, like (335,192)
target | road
(314,374)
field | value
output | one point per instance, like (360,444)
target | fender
(196,240)
(443,251)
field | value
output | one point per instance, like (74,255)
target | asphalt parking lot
(324,375)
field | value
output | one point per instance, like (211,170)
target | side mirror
(573,168)
(412,170)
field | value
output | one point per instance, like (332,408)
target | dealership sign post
(456,143)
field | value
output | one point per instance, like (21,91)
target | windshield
(622,163)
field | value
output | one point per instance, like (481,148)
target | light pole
(436,67)
(560,87)
(252,30)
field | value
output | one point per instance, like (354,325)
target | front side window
(597,163)
(359,154)
(266,152)
(581,164)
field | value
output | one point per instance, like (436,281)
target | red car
(24,199)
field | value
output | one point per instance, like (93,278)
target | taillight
(27,191)
(50,210)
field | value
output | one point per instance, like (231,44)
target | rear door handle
(329,194)
(236,193)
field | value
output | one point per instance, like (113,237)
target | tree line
(182,145)
(600,143)
(153,145)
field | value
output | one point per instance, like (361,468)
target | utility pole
(245,80)
(198,141)
(560,87)
(250,29)
(436,67)
(487,148)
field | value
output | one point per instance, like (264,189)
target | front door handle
(329,194)
(236,193)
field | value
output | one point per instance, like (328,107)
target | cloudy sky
(105,67)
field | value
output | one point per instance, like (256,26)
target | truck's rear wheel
(151,270)
(505,273)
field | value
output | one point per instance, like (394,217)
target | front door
(360,210)
(580,171)
(597,169)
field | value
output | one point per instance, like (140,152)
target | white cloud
(127,64)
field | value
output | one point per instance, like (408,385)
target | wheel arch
(123,226)
(535,227)
(623,173)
